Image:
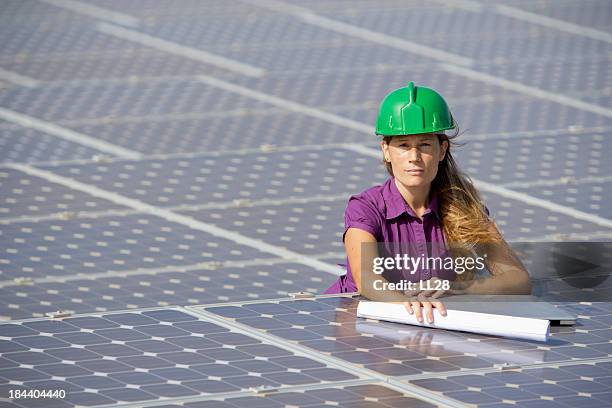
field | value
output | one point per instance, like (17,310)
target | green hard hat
(413,110)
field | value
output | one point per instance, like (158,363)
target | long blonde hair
(464,220)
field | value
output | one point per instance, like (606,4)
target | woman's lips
(414,172)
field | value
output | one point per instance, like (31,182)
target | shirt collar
(395,205)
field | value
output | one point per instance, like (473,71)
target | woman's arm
(361,250)
(508,275)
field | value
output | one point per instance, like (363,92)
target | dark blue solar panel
(150,290)
(165,353)
(527,385)
(400,350)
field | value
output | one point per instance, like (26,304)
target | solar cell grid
(593,16)
(250,175)
(99,100)
(128,242)
(561,384)
(401,350)
(83,294)
(144,355)
(28,145)
(109,65)
(588,197)
(29,196)
(506,37)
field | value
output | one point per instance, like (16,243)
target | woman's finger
(428,308)
(440,306)
(408,307)
(418,312)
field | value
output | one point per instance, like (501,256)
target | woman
(427,206)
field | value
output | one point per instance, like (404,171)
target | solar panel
(148,354)
(402,350)
(586,198)
(134,242)
(528,386)
(194,180)
(150,287)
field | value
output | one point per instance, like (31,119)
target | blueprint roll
(473,322)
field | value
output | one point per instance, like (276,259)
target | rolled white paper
(483,323)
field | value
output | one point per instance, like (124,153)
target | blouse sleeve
(361,213)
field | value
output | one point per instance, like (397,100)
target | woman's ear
(443,149)
(385,149)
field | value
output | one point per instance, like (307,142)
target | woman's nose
(414,154)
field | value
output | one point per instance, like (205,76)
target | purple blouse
(383,212)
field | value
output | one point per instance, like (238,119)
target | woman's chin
(412,181)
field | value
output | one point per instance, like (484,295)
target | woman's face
(414,158)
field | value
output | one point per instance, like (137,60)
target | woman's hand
(420,305)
